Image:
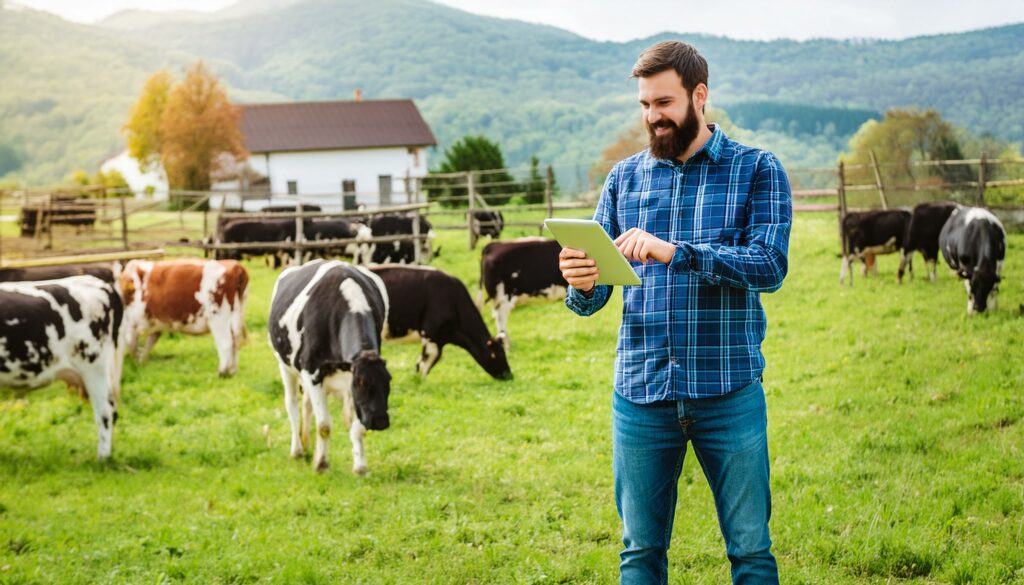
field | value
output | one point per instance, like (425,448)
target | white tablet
(589,236)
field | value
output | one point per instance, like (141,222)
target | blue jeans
(730,439)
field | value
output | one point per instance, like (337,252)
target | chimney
(359,95)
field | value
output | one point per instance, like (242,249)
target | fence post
(841,191)
(416,238)
(878,180)
(470,217)
(981,182)
(124,224)
(49,223)
(300,236)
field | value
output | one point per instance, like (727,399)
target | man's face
(669,114)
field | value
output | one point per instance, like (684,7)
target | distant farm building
(332,154)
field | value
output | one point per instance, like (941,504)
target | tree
(143,126)
(474,153)
(901,138)
(199,125)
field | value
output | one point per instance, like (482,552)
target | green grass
(895,424)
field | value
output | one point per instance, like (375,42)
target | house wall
(318,175)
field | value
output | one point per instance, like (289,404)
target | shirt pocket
(642,210)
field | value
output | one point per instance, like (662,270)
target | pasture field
(896,428)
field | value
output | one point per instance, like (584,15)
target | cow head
(371,385)
(983,284)
(495,362)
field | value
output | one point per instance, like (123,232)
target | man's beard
(669,146)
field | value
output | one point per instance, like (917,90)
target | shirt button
(673,360)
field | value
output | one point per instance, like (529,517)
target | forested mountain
(535,89)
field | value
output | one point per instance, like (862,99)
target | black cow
(438,307)
(973,242)
(401,252)
(520,267)
(105,271)
(490,223)
(68,330)
(871,233)
(325,325)
(337,229)
(923,235)
(247,231)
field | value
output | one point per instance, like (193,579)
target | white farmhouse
(321,152)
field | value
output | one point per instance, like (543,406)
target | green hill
(536,89)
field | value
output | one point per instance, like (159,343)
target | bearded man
(705,221)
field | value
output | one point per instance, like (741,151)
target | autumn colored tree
(199,125)
(190,127)
(143,126)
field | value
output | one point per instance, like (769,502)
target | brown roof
(333,125)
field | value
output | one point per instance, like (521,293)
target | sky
(621,20)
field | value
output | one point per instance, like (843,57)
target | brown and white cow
(187,296)
(66,329)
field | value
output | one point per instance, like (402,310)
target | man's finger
(575,263)
(626,234)
(578,272)
(572,253)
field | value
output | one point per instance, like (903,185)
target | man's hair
(681,57)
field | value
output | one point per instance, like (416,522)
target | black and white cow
(870,233)
(401,252)
(337,229)
(247,231)
(524,267)
(926,222)
(438,307)
(326,319)
(66,329)
(973,242)
(490,223)
(105,271)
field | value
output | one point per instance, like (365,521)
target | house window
(293,187)
(384,182)
(348,186)
(415,152)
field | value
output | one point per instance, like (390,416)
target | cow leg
(503,305)
(341,384)
(291,404)
(318,398)
(931,266)
(906,263)
(148,347)
(428,357)
(222,330)
(307,421)
(97,385)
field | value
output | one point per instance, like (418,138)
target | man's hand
(636,244)
(578,270)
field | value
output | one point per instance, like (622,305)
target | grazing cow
(338,229)
(188,296)
(520,267)
(326,319)
(107,272)
(401,252)
(245,231)
(66,329)
(490,223)
(973,242)
(438,307)
(923,235)
(871,233)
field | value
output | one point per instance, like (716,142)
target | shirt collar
(712,149)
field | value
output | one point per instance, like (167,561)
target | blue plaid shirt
(694,328)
